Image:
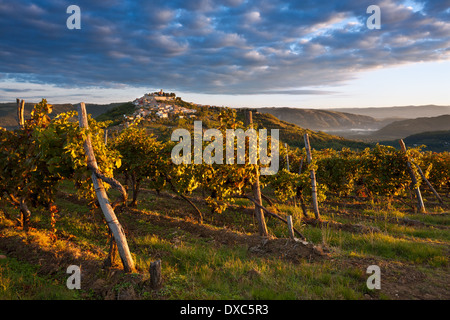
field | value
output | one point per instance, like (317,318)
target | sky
(237,53)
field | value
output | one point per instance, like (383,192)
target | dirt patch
(97,282)
(292,250)
(51,260)
(282,248)
(408,282)
(401,281)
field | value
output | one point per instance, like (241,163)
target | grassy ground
(223,258)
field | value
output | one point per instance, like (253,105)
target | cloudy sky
(234,52)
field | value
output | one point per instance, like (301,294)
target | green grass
(196,267)
(432,218)
(196,271)
(20,281)
(387,246)
(396,242)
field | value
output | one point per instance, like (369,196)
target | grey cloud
(14,90)
(211,46)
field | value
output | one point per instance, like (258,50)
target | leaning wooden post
(313,177)
(436,194)
(262,227)
(420,205)
(108,212)
(290,227)
(270,213)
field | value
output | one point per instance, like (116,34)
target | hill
(116,113)
(405,128)
(436,141)
(405,112)
(223,256)
(290,133)
(8,111)
(325,120)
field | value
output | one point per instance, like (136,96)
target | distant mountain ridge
(405,112)
(405,128)
(371,124)
(292,134)
(436,141)
(324,120)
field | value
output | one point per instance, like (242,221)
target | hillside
(325,120)
(8,111)
(224,258)
(404,128)
(290,133)
(198,225)
(406,112)
(436,141)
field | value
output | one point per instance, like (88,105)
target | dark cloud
(14,90)
(210,46)
(294,92)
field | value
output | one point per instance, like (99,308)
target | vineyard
(116,204)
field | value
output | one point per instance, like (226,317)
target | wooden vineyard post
(108,212)
(288,168)
(313,177)
(262,227)
(20,112)
(420,205)
(105,136)
(155,275)
(24,211)
(290,227)
(299,192)
(287,156)
(438,197)
(270,213)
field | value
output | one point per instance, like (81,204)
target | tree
(43,152)
(141,158)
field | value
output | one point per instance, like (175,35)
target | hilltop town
(159,105)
